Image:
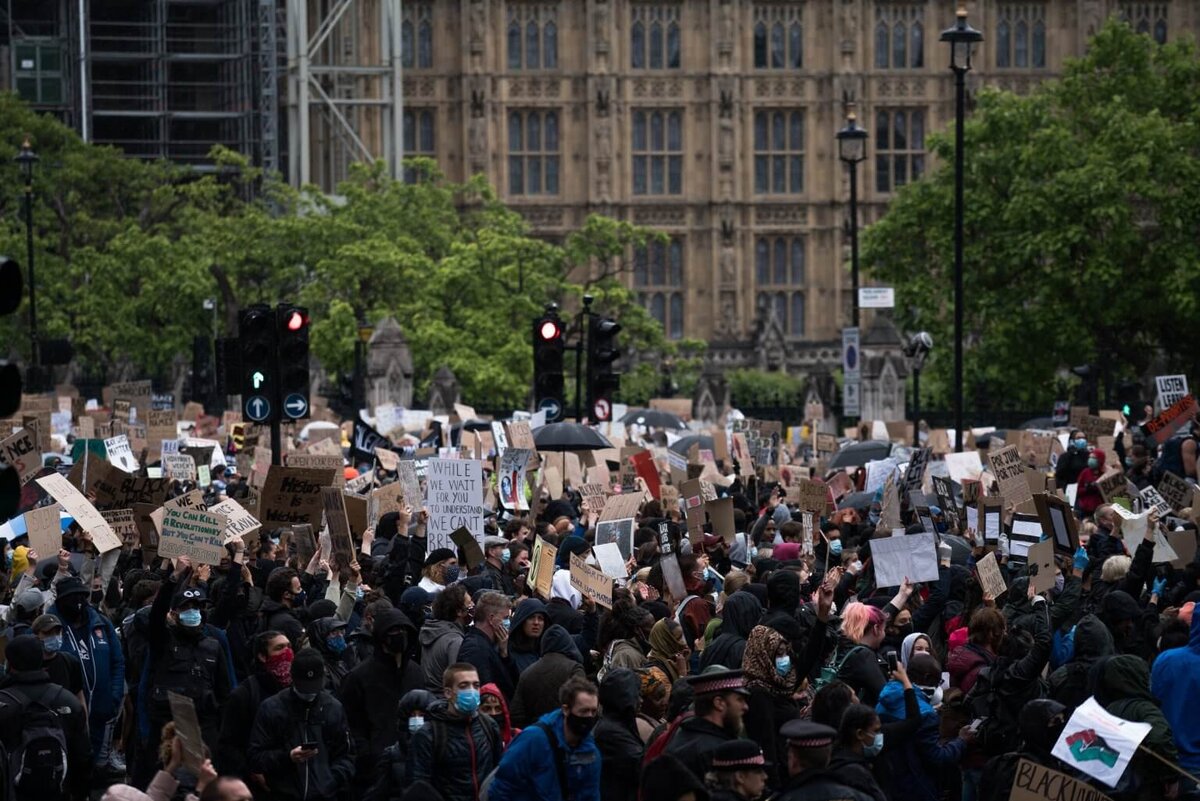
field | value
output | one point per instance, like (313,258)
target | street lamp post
(27,158)
(917,349)
(962,38)
(852,147)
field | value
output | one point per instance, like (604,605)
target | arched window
(798,261)
(637,46)
(916,58)
(675,257)
(656,46)
(1021,45)
(407,51)
(425,45)
(796,320)
(676,329)
(658,309)
(777,46)
(673,49)
(899,45)
(533,46)
(1039,44)
(550,44)
(762,262)
(796,46)
(1003,45)
(881,46)
(780,259)
(760,45)
(514,46)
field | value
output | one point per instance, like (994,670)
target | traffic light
(603,381)
(259,377)
(227,372)
(201,368)
(548,348)
(292,323)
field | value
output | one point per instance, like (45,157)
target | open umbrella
(15,527)
(860,453)
(653,418)
(684,444)
(569,437)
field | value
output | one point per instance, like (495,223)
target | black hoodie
(741,613)
(621,749)
(1069,684)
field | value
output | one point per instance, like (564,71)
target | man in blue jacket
(525,774)
(1175,682)
(91,637)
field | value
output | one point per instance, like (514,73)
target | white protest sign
(963,466)
(80,508)
(511,479)
(1098,743)
(180,467)
(454,492)
(238,522)
(913,557)
(194,533)
(990,577)
(21,451)
(120,454)
(610,559)
(1170,389)
(1133,532)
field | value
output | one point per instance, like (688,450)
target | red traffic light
(296,321)
(549,330)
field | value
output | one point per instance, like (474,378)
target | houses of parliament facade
(714,121)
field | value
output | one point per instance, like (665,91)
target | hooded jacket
(621,749)
(1069,684)
(440,643)
(275,616)
(337,666)
(394,776)
(371,694)
(284,722)
(1088,498)
(98,649)
(469,750)
(537,689)
(528,772)
(523,659)
(507,730)
(1123,688)
(1175,682)
(741,613)
(912,765)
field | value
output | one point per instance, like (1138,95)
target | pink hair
(857,618)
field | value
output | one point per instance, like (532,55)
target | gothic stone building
(714,121)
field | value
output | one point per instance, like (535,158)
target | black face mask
(580,726)
(72,606)
(395,642)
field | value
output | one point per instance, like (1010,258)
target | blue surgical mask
(467,701)
(190,618)
(415,723)
(505,555)
(1093,463)
(53,644)
(336,644)
(835,547)
(783,665)
(875,747)
(1080,444)
(1128,462)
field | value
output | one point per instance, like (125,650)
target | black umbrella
(653,418)
(859,453)
(569,437)
(684,444)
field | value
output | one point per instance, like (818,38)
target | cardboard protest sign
(1006,465)
(120,454)
(990,577)
(1113,485)
(1035,782)
(1094,427)
(1058,520)
(619,532)
(1153,499)
(620,507)
(80,508)
(541,567)
(161,425)
(339,525)
(469,546)
(520,435)
(406,477)
(590,582)
(122,524)
(1170,420)
(594,498)
(195,533)
(306,543)
(1099,743)
(292,495)
(914,475)
(21,452)
(1175,491)
(238,523)
(511,484)
(387,498)
(827,443)
(673,576)
(454,492)
(1183,543)
(314,461)
(187,729)
(889,512)
(643,465)
(813,496)
(720,514)
(840,485)
(913,557)
(45,530)
(1041,565)
(364,481)
(179,467)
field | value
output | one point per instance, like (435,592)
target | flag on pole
(1098,743)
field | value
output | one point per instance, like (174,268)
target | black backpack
(37,767)
(998,709)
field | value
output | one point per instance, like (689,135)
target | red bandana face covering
(279,666)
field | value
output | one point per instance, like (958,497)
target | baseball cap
(308,671)
(45,623)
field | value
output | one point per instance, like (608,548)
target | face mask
(1080,444)
(783,665)
(336,645)
(52,645)
(451,574)
(191,618)
(1128,463)
(932,694)
(299,598)
(415,723)
(835,547)
(395,641)
(505,555)
(875,747)
(466,701)
(580,726)
(1093,463)
(279,667)
(307,698)
(1059,581)
(856,566)
(72,606)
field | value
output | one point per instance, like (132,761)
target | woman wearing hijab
(492,704)
(655,697)
(916,643)
(668,651)
(740,615)
(773,682)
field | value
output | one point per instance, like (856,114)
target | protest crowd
(468,609)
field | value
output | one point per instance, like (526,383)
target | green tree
(1081,210)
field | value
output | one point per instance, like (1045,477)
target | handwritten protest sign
(590,582)
(1010,473)
(21,452)
(1153,499)
(238,522)
(179,467)
(195,533)
(913,557)
(511,479)
(292,495)
(81,509)
(990,578)
(339,525)
(317,461)
(914,475)
(120,454)
(1113,485)
(406,477)
(1175,491)
(1170,420)
(454,490)
(813,496)
(1035,782)
(45,529)
(121,522)
(541,567)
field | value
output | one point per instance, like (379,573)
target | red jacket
(1087,495)
(965,663)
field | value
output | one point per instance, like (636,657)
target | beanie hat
(24,653)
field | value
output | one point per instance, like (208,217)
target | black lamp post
(917,349)
(27,158)
(852,149)
(962,38)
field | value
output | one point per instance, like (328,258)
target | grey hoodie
(440,641)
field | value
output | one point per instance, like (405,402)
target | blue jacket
(99,652)
(912,767)
(527,771)
(1175,682)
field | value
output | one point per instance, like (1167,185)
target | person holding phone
(301,743)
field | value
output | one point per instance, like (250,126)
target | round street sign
(553,409)
(296,406)
(602,409)
(258,408)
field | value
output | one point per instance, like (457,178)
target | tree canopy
(127,252)
(1082,213)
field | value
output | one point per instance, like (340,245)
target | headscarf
(507,733)
(560,587)
(656,687)
(20,563)
(664,645)
(758,663)
(906,647)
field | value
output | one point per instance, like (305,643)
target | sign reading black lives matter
(454,492)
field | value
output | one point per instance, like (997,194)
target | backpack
(833,667)
(997,709)
(658,745)
(37,766)
(490,730)
(560,764)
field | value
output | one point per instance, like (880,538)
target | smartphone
(311,745)
(891,661)
(975,724)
